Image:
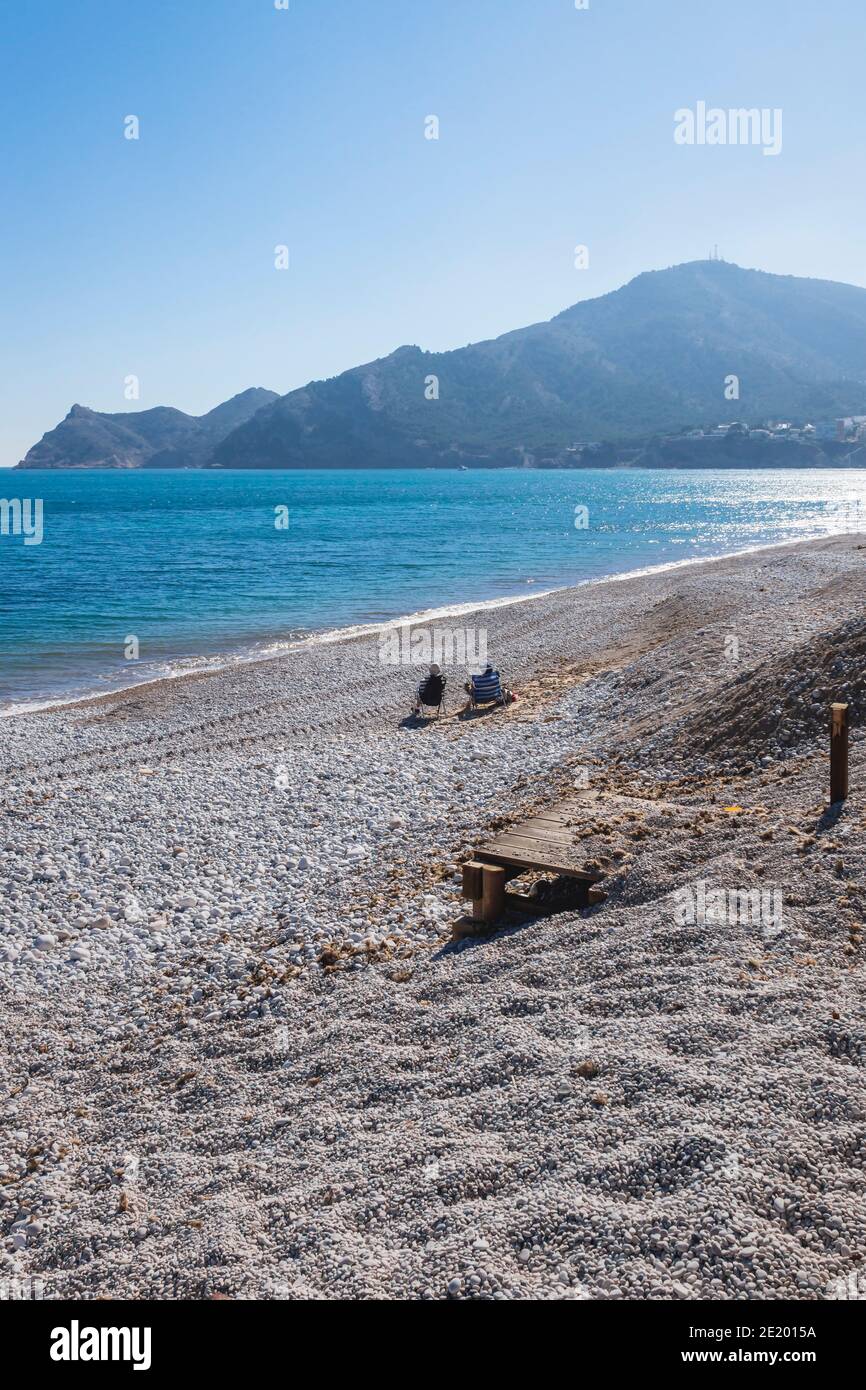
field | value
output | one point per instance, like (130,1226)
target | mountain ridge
(161,437)
(651,357)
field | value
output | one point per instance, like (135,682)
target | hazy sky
(306,127)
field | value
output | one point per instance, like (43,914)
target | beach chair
(486,690)
(426,699)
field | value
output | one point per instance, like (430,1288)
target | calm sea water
(194,566)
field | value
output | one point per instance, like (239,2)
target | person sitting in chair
(431,690)
(484,690)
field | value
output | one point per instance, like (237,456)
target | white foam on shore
(221,662)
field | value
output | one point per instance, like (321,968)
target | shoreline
(716,467)
(222,663)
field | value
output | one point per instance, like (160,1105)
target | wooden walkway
(544,844)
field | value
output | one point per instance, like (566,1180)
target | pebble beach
(244,1059)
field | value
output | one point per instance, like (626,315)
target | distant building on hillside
(851,427)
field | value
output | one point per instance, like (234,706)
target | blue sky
(305,127)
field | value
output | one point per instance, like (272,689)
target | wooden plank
(536,859)
(527,831)
(556,817)
(533,837)
(542,827)
(529,861)
(539,842)
(532,845)
(531,854)
(566,822)
(561,826)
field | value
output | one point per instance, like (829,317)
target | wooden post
(484,884)
(839,753)
(493,893)
(473,880)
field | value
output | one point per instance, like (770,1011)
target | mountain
(158,438)
(650,358)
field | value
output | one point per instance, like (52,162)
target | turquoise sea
(196,568)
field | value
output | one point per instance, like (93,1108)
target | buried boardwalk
(244,1059)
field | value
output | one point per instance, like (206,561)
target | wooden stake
(473,880)
(493,893)
(839,753)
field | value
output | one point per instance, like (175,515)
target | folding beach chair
(427,694)
(486,690)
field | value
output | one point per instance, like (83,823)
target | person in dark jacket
(430,690)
